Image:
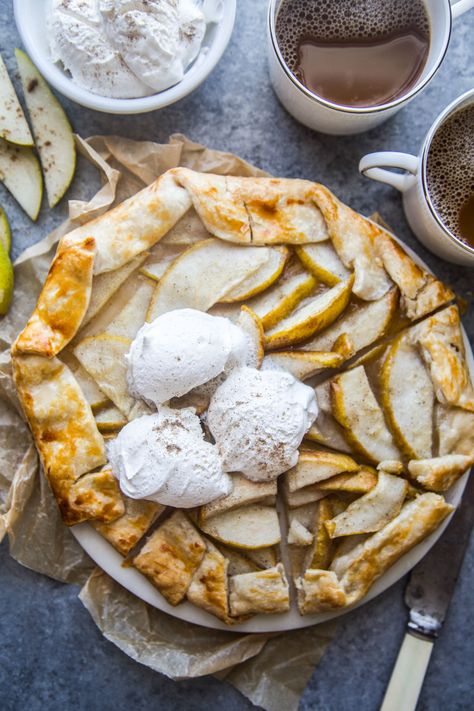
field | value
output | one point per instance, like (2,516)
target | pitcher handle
(371,167)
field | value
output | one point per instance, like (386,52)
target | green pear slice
(352,483)
(51,128)
(302,364)
(302,497)
(372,511)
(249,527)
(131,318)
(261,280)
(355,408)
(6,281)
(5,231)
(321,260)
(160,259)
(312,315)
(91,391)
(283,297)
(20,172)
(363,323)
(206,272)
(316,466)
(298,535)
(244,492)
(408,399)
(13,124)
(103,357)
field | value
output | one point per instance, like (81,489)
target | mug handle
(459,7)
(370,167)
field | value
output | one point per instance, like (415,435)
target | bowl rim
(65,86)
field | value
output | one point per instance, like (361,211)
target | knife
(427,597)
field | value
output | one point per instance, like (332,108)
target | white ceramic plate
(110,561)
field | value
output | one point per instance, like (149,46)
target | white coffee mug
(419,209)
(327,117)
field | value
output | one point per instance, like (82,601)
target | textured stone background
(51,654)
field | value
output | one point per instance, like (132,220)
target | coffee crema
(357,53)
(450,174)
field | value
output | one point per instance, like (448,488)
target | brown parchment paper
(270,669)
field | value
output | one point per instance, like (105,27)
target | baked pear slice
(283,297)
(229,270)
(408,399)
(313,314)
(20,173)
(321,259)
(103,357)
(13,124)
(109,418)
(302,364)
(316,466)
(373,511)
(244,492)
(249,527)
(51,128)
(160,259)
(252,326)
(357,411)
(362,323)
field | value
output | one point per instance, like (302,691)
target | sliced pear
(13,125)
(322,551)
(372,511)
(362,323)
(249,527)
(103,357)
(408,399)
(321,260)
(6,281)
(361,417)
(358,483)
(91,391)
(302,497)
(261,280)
(298,535)
(224,267)
(160,259)
(245,492)
(312,315)
(230,311)
(327,432)
(263,558)
(251,324)
(238,562)
(51,128)
(131,318)
(316,466)
(5,231)
(104,286)
(20,172)
(302,364)
(109,418)
(305,514)
(284,296)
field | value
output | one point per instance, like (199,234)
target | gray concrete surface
(51,654)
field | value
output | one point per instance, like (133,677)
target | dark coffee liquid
(354,52)
(450,174)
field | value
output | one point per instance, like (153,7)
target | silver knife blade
(433,580)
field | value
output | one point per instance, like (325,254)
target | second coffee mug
(329,117)
(438,184)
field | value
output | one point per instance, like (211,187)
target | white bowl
(30,17)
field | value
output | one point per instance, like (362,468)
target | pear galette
(323,293)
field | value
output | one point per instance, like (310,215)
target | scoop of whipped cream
(125,48)
(258,420)
(163,457)
(181,350)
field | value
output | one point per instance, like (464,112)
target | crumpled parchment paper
(270,669)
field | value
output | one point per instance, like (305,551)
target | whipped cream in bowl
(125,56)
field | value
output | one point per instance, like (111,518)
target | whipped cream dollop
(181,350)
(258,420)
(164,458)
(126,48)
